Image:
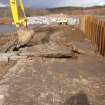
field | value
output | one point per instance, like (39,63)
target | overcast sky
(58,3)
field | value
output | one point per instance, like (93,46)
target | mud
(44,80)
(7,40)
(4,67)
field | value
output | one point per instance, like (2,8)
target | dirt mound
(58,34)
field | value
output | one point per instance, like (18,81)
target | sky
(57,3)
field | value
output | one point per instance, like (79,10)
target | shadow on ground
(77,99)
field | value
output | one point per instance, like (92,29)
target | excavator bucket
(24,36)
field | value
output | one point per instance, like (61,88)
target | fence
(94,28)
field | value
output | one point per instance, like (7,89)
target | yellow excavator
(24,34)
(15,13)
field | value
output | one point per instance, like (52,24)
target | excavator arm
(24,34)
(14,8)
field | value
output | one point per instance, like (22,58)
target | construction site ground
(60,66)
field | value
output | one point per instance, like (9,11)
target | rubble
(47,20)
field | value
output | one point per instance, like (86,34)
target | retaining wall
(94,28)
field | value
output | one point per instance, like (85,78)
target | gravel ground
(48,80)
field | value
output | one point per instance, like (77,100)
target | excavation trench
(50,42)
(47,36)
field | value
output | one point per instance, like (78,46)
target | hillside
(97,10)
